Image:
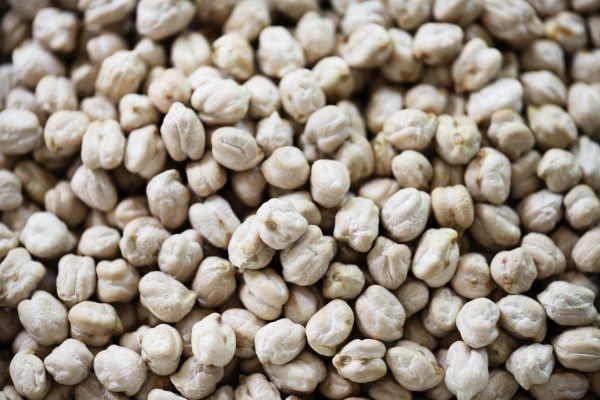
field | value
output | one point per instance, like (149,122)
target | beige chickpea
(136,111)
(141,241)
(361,361)
(280,224)
(379,314)
(279,342)
(263,293)
(548,258)
(409,14)
(255,386)
(524,180)
(531,365)
(35,180)
(514,21)
(578,348)
(104,45)
(436,256)
(307,369)
(329,327)
(215,220)
(145,152)
(151,52)
(488,176)
(91,387)
(166,298)
(582,207)
(523,317)
(328,127)
(562,384)
(189,51)
(286,168)
(158,21)
(413,366)
(31,62)
(543,87)
(60,35)
(565,240)
(330,181)
(185,325)
(246,249)
(53,93)
(307,259)
(168,198)
(100,242)
(552,126)
(356,223)
(361,13)
(46,236)
(367,47)
(416,332)
(467,373)
(568,29)
(476,321)
(302,304)
(501,385)
(214,281)
(44,318)
(336,386)
(29,376)
(414,296)
(69,363)
(412,169)
(495,227)
(457,139)
(160,394)
(64,131)
(248,186)
(8,240)
(388,263)
(509,134)
(405,214)
(235,149)
(514,271)
(62,202)
(183,133)
(103,145)
(245,325)
(20,131)
(453,207)
(384,101)
(437,43)
(76,279)
(273,133)
(504,93)
(544,54)
(401,65)
(279,53)
(585,252)
(94,188)
(541,211)
(427,98)
(170,88)
(460,12)
(248,18)
(94,323)
(180,255)
(343,281)
(384,153)
(117,281)
(206,175)
(559,170)
(582,100)
(119,74)
(568,304)
(379,189)
(501,348)
(233,54)
(264,96)
(10,191)
(316,35)
(334,76)
(439,317)
(301,107)
(213,342)
(96,107)
(410,129)
(19,275)
(127,375)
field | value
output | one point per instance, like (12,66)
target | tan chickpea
(578,348)
(361,361)
(62,202)
(168,198)
(286,168)
(504,93)
(248,186)
(158,22)
(412,169)
(245,325)
(582,99)
(117,281)
(334,76)
(453,207)
(523,317)
(255,386)
(559,170)
(343,281)
(476,65)
(69,363)
(514,271)
(402,65)
(568,304)
(302,304)
(501,348)
(495,227)
(214,281)
(379,190)
(10,191)
(94,323)
(166,298)
(513,21)
(44,318)
(264,293)
(586,250)
(487,176)
(510,134)
(336,386)
(279,53)
(548,258)
(457,139)
(206,175)
(19,275)
(119,74)
(300,94)
(565,239)
(384,101)
(76,279)
(141,241)
(367,47)
(414,296)
(531,365)
(439,317)
(552,126)
(423,372)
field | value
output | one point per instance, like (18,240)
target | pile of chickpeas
(299,199)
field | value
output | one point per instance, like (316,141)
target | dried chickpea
(94,323)
(279,53)
(307,369)
(119,74)
(263,293)
(29,376)
(286,168)
(44,318)
(413,366)
(523,317)
(510,134)
(213,342)
(437,43)
(46,236)
(235,149)
(367,47)
(214,281)
(405,214)
(578,348)
(279,342)
(300,94)
(166,298)
(568,304)
(552,126)
(476,321)
(329,327)
(158,20)
(559,170)
(436,256)
(361,361)
(69,363)
(488,176)
(127,375)
(76,279)
(439,317)
(117,281)
(379,314)
(246,249)
(343,281)
(248,18)
(467,373)
(531,365)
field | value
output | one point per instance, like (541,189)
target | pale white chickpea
(214,281)
(467,372)
(286,168)
(279,53)
(329,327)
(235,149)
(44,318)
(29,376)
(145,152)
(279,342)
(248,18)
(213,342)
(405,214)
(379,314)
(457,139)
(263,292)
(343,281)
(384,101)
(69,363)
(246,250)
(94,323)
(412,169)
(439,317)
(523,317)
(127,375)
(476,321)
(166,298)
(413,366)
(531,365)
(117,281)
(356,223)
(264,96)
(436,256)
(301,375)
(568,304)
(280,224)
(189,51)
(301,94)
